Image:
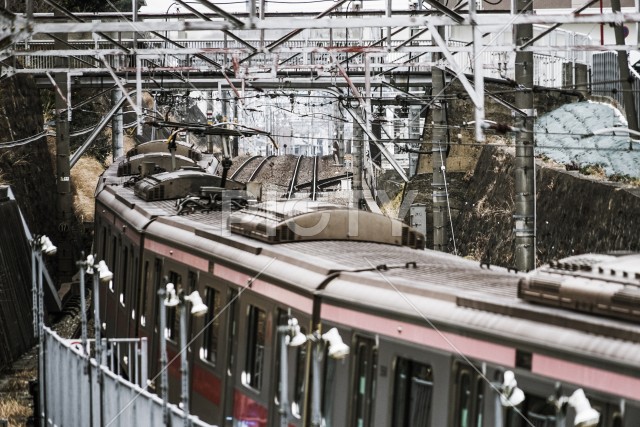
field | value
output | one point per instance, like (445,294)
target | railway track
(243,166)
(322,183)
(314,180)
(294,178)
(260,166)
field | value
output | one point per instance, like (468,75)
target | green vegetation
(625,179)
(596,170)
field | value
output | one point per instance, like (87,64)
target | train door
(121,286)
(469,395)
(296,361)
(412,393)
(192,333)
(133,293)
(232,349)
(141,303)
(107,297)
(209,371)
(611,414)
(536,410)
(151,325)
(364,387)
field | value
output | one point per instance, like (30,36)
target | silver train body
(431,335)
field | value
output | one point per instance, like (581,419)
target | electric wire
(20,142)
(449,342)
(446,192)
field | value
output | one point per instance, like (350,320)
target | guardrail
(81,392)
(549,66)
(606,79)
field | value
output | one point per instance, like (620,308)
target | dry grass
(392,208)
(84,177)
(14,410)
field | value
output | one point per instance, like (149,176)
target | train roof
(412,285)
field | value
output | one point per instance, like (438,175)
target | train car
(319,315)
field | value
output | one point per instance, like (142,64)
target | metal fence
(79,393)
(549,66)
(605,79)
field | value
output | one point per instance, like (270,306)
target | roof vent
(294,221)
(163,161)
(161,146)
(178,184)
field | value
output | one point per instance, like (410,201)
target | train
(322,315)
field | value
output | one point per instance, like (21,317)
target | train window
(114,259)
(610,414)
(255,348)
(298,390)
(479,400)
(330,365)
(469,396)
(192,282)
(134,279)
(125,275)
(464,399)
(157,281)
(283,319)
(535,410)
(104,242)
(209,350)
(413,387)
(364,387)
(297,370)
(172,319)
(143,301)
(171,332)
(616,420)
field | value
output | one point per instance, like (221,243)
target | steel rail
(262,163)
(242,166)
(294,178)
(314,179)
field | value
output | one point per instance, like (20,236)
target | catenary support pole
(625,81)
(356,161)
(184,366)
(117,128)
(66,262)
(439,160)
(524,173)
(42,411)
(164,377)
(97,326)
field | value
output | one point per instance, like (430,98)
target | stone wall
(27,168)
(575,213)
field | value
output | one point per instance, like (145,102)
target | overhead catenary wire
(446,191)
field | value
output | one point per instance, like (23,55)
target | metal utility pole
(623,65)
(414,134)
(524,172)
(210,121)
(356,154)
(339,133)
(117,126)
(66,264)
(439,159)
